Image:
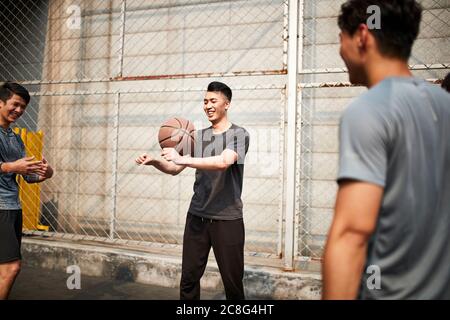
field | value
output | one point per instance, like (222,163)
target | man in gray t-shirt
(13,101)
(217,194)
(214,218)
(390,235)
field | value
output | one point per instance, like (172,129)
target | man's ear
(363,36)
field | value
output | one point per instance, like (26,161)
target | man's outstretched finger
(40,173)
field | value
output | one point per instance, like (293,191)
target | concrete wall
(196,37)
(180,38)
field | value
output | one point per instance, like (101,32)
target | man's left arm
(235,151)
(218,163)
(356,214)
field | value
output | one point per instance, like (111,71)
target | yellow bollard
(30,194)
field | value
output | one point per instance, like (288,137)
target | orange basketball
(177,133)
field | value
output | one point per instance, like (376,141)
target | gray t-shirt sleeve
(239,142)
(362,146)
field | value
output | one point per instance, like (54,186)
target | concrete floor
(43,284)
(124,272)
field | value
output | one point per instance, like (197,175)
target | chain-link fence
(325,92)
(104,75)
(99,191)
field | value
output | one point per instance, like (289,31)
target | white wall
(189,37)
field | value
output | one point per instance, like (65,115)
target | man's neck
(221,126)
(381,69)
(4,125)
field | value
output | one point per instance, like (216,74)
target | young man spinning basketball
(215,217)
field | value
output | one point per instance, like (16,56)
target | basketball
(177,133)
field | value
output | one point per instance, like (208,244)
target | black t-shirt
(217,194)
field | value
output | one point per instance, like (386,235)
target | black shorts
(10,235)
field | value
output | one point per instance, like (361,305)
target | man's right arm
(363,142)
(161,164)
(24,166)
(355,219)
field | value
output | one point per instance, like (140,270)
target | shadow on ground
(43,284)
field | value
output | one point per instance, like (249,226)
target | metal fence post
(115,156)
(123,16)
(282,137)
(115,151)
(291,132)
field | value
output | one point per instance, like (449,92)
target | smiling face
(215,106)
(11,110)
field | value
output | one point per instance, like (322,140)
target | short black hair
(446,82)
(220,87)
(8,89)
(400,22)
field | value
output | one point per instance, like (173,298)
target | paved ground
(42,284)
